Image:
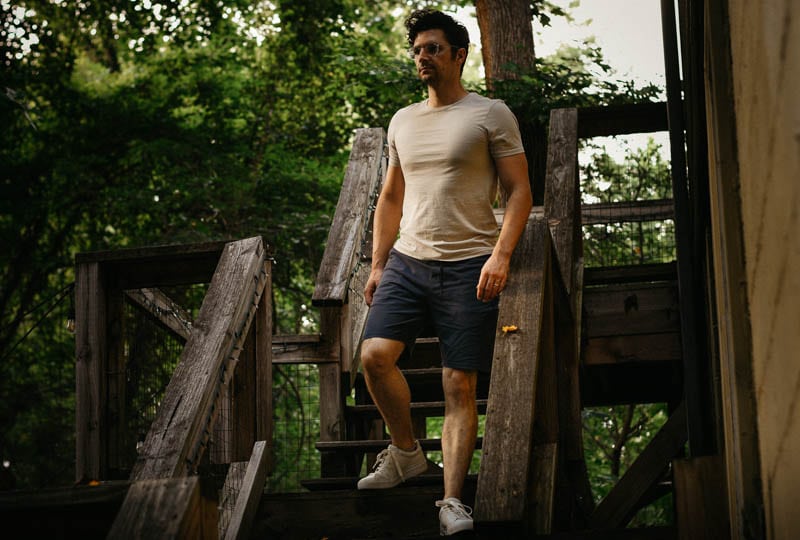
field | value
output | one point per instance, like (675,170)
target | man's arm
(513,174)
(385,226)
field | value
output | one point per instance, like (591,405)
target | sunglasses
(433,49)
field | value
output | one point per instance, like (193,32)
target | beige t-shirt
(447,157)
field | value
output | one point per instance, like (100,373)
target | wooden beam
(627,212)
(615,510)
(350,222)
(629,349)
(502,492)
(183,421)
(700,498)
(621,119)
(166,508)
(626,310)
(249,494)
(163,310)
(631,274)
(90,370)
(263,346)
(737,384)
(561,196)
(158,266)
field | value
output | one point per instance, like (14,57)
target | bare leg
(460,427)
(388,388)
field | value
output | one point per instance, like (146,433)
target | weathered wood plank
(627,212)
(264,405)
(502,493)
(739,405)
(249,495)
(90,370)
(636,348)
(350,224)
(622,119)
(158,266)
(166,508)
(163,310)
(700,498)
(184,419)
(542,486)
(561,191)
(631,274)
(630,310)
(615,509)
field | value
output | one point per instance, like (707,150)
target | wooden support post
(503,482)
(700,491)
(331,399)
(252,487)
(90,370)
(545,459)
(166,508)
(561,193)
(116,411)
(263,348)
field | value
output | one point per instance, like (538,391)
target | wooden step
(374,446)
(423,480)
(405,512)
(420,408)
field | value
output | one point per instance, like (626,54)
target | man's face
(436,68)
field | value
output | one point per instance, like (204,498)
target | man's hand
(372,284)
(494,276)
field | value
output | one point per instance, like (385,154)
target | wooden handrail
(183,421)
(349,229)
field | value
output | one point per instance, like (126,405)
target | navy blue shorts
(413,293)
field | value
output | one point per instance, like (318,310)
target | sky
(627,31)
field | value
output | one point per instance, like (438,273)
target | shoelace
(461,510)
(383,458)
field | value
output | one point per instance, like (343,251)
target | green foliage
(613,438)
(572,77)
(131,124)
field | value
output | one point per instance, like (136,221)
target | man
(448,264)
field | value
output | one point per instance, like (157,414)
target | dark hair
(428,19)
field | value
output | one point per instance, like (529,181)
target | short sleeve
(503,128)
(394,159)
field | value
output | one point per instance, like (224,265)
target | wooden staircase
(584,337)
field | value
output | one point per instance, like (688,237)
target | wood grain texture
(348,229)
(561,191)
(502,493)
(166,508)
(182,422)
(249,495)
(90,368)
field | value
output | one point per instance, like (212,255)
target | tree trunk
(507,41)
(506,37)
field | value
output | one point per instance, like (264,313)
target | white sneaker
(454,516)
(395,466)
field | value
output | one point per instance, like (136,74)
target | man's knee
(459,385)
(379,355)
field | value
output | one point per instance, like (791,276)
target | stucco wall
(765,47)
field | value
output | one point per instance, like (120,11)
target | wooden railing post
(503,494)
(90,369)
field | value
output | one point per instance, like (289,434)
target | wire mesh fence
(629,243)
(295,391)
